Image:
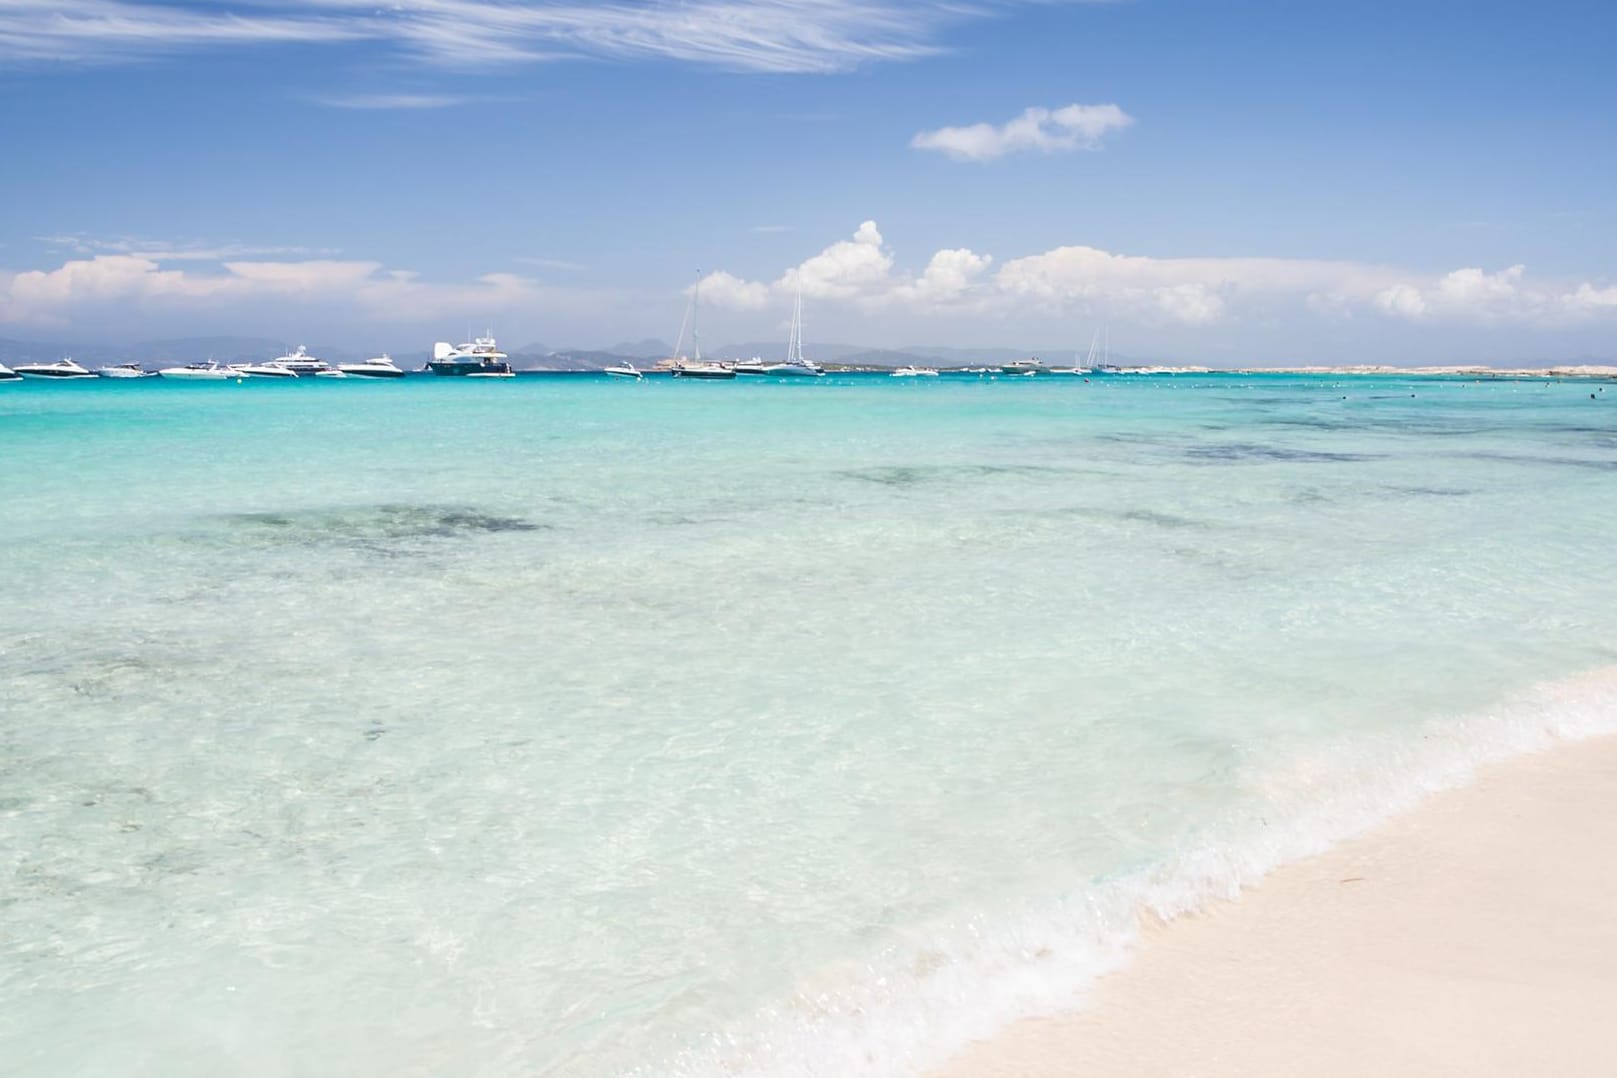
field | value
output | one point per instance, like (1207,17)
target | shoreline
(1470,934)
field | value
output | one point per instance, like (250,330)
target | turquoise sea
(566,726)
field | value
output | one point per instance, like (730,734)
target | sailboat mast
(696,336)
(685,322)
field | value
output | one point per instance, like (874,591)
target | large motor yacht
(300,362)
(482,357)
(61,370)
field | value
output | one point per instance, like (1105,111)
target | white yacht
(753,366)
(621,370)
(61,370)
(124,370)
(1024,366)
(202,372)
(271,369)
(697,367)
(795,364)
(381,366)
(482,357)
(331,372)
(300,362)
(9,375)
(910,370)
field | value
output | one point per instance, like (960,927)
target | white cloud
(863,273)
(845,270)
(170,251)
(761,35)
(392,101)
(1075,127)
(107,281)
(860,274)
(727,290)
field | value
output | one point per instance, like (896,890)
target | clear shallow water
(568,727)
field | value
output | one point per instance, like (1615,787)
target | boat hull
(463,368)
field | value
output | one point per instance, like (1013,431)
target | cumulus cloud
(727,290)
(860,273)
(1075,127)
(863,272)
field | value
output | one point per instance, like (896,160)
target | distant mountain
(38,351)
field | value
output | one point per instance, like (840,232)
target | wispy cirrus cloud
(392,101)
(748,35)
(1075,127)
(183,251)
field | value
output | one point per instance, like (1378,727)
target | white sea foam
(955,982)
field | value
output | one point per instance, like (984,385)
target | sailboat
(1089,360)
(696,368)
(795,363)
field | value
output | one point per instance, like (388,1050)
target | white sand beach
(1475,935)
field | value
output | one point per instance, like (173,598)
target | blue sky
(1421,181)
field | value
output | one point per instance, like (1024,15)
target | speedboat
(703,370)
(202,372)
(912,371)
(124,370)
(621,370)
(272,369)
(9,375)
(482,357)
(331,372)
(300,362)
(381,366)
(1024,366)
(61,370)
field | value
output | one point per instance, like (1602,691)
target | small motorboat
(272,369)
(203,372)
(621,370)
(381,366)
(124,370)
(910,370)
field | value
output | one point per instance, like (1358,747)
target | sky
(1209,181)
